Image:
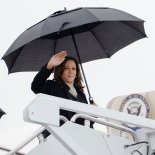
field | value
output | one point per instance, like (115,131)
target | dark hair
(60,69)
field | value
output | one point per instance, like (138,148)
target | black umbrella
(1,113)
(85,33)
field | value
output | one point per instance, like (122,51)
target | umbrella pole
(90,98)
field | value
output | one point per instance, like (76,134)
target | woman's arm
(39,80)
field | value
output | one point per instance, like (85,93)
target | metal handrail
(8,150)
(34,135)
(38,132)
(63,118)
(103,122)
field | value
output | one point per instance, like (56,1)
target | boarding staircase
(74,139)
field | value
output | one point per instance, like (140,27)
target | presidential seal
(135,104)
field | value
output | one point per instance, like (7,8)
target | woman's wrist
(49,66)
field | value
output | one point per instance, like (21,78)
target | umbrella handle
(91,100)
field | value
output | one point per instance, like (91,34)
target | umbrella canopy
(85,33)
(1,113)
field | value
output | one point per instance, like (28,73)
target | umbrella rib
(15,59)
(105,50)
(133,28)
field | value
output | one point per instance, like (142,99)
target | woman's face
(69,73)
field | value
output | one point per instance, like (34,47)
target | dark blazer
(40,84)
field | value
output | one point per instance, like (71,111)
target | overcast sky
(131,70)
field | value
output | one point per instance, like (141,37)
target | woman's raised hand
(56,59)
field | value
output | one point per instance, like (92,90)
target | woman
(65,84)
